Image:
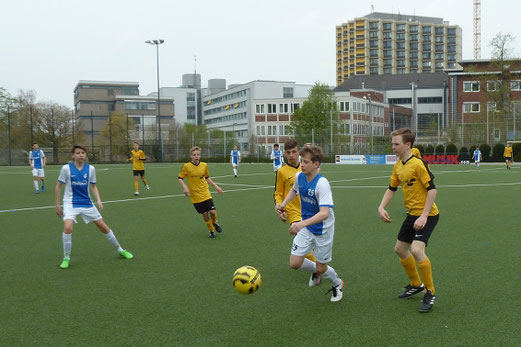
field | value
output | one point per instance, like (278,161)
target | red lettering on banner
(441,159)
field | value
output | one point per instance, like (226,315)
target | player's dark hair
(80,147)
(314,151)
(406,134)
(34,143)
(290,144)
(276,145)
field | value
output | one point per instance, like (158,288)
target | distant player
(276,156)
(284,181)
(77,176)
(37,162)
(317,228)
(235,159)
(419,193)
(198,190)
(507,154)
(477,157)
(138,159)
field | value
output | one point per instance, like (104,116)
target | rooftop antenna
(195,64)
(372,8)
(477,29)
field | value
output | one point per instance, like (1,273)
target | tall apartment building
(385,43)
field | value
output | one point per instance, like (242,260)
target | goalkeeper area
(178,288)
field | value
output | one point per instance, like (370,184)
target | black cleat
(427,302)
(217,227)
(410,291)
(212,235)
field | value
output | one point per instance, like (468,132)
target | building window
(388,62)
(400,36)
(295,107)
(388,26)
(426,55)
(413,28)
(373,25)
(400,54)
(413,55)
(439,39)
(451,57)
(400,71)
(451,31)
(413,46)
(259,108)
(491,86)
(373,34)
(426,46)
(373,71)
(388,71)
(452,40)
(373,52)
(451,65)
(373,61)
(439,48)
(426,64)
(373,43)
(281,130)
(451,49)
(401,62)
(426,30)
(388,54)
(439,65)
(472,86)
(439,56)
(426,38)
(400,27)
(287,92)
(414,63)
(515,85)
(400,45)
(388,35)
(413,37)
(272,108)
(471,107)
(430,100)
(388,44)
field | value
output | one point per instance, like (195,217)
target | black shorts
(508,158)
(139,172)
(408,234)
(204,206)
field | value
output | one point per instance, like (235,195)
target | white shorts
(89,214)
(276,167)
(235,164)
(38,172)
(322,245)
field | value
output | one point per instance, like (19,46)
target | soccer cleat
(217,227)
(43,189)
(136,193)
(148,187)
(65,263)
(410,291)
(427,302)
(235,176)
(337,292)
(315,280)
(36,191)
(126,254)
(212,235)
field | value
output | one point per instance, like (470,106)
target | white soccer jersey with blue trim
(235,154)
(36,157)
(77,184)
(314,195)
(276,156)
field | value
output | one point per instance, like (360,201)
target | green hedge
(421,149)
(497,152)
(440,149)
(429,149)
(451,149)
(516,148)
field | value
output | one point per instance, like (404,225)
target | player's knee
(295,264)
(402,252)
(418,251)
(67,229)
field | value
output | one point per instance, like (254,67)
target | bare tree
(502,49)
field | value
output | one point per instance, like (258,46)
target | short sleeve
(295,185)
(425,176)
(42,153)
(323,193)
(183,173)
(92,175)
(142,155)
(395,181)
(206,172)
(31,155)
(62,178)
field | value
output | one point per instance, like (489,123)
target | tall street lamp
(160,149)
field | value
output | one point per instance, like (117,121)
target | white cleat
(136,193)
(337,292)
(148,188)
(315,280)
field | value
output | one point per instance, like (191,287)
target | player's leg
(35,181)
(42,178)
(144,180)
(209,224)
(104,228)
(136,185)
(67,242)
(215,222)
(401,248)
(235,169)
(323,252)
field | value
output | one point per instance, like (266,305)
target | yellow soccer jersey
(197,175)
(137,160)
(416,179)
(283,184)
(507,152)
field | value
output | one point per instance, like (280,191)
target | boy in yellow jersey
(507,153)
(419,193)
(284,181)
(198,190)
(138,158)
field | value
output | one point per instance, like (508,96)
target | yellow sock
(425,270)
(145,181)
(409,266)
(209,225)
(311,257)
(213,217)
(136,186)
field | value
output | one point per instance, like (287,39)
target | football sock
(409,266)
(67,245)
(214,217)
(308,265)
(112,239)
(235,172)
(425,269)
(311,257)
(35,185)
(145,181)
(136,186)
(332,276)
(209,225)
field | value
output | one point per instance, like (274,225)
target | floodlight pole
(160,145)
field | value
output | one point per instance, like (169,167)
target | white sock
(67,245)
(332,276)
(235,172)
(35,185)
(112,239)
(308,265)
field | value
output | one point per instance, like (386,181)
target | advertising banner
(350,159)
(375,159)
(361,159)
(441,159)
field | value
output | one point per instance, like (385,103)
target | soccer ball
(246,279)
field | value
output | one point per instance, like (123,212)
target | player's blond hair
(195,148)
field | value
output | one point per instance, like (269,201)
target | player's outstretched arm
(58,192)
(386,199)
(210,182)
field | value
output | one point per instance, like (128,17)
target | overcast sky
(48,46)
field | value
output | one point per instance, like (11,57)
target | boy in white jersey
(37,162)
(477,156)
(76,176)
(276,156)
(235,159)
(317,228)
